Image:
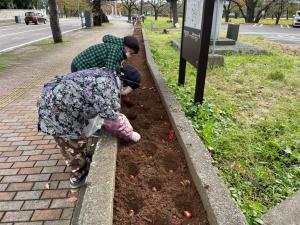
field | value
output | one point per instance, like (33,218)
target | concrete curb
(220,208)
(286,212)
(96,206)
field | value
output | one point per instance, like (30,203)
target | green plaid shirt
(108,54)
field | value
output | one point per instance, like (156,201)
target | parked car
(34,17)
(296,21)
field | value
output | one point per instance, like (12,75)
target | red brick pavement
(34,181)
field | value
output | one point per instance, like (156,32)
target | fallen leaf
(143,88)
(171,171)
(147,219)
(167,123)
(185,182)
(131,177)
(187,214)
(125,98)
(131,213)
(170,134)
(47,185)
(154,189)
(72,199)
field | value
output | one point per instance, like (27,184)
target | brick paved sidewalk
(34,181)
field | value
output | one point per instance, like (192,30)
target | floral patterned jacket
(68,102)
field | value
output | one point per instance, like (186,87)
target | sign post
(196,32)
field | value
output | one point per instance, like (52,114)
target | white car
(296,21)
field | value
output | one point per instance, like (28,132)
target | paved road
(17,35)
(278,33)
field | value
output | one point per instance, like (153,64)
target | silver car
(296,20)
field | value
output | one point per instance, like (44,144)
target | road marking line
(287,26)
(5,35)
(254,25)
(281,26)
(30,42)
(260,25)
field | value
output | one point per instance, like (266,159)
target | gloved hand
(135,136)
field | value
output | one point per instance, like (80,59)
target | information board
(192,30)
(195,39)
(193,15)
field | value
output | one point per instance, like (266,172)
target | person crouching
(73,107)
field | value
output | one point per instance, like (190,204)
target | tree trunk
(257,18)
(142,3)
(226,17)
(97,13)
(65,11)
(250,13)
(174,11)
(277,20)
(54,22)
(155,14)
(287,12)
(129,14)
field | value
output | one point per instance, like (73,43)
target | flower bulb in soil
(187,214)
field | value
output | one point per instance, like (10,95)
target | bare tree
(157,6)
(54,22)
(97,16)
(279,8)
(129,5)
(173,5)
(228,9)
(252,10)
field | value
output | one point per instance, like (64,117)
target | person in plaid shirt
(108,54)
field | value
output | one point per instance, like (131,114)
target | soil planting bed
(153,185)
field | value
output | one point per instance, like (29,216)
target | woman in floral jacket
(74,106)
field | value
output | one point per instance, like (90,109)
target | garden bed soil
(152,177)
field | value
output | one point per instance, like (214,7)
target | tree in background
(6,4)
(157,6)
(96,9)
(16,4)
(54,22)
(228,7)
(70,7)
(130,5)
(292,8)
(253,10)
(279,8)
(24,4)
(173,5)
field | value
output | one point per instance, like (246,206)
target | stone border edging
(287,212)
(96,199)
(220,208)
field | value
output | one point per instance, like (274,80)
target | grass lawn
(250,120)
(162,21)
(262,21)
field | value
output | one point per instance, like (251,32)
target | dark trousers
(73,68)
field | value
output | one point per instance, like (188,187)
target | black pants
(73,68)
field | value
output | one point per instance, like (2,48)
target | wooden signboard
(195,39)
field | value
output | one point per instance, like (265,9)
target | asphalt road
(18,35)
(282,34)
